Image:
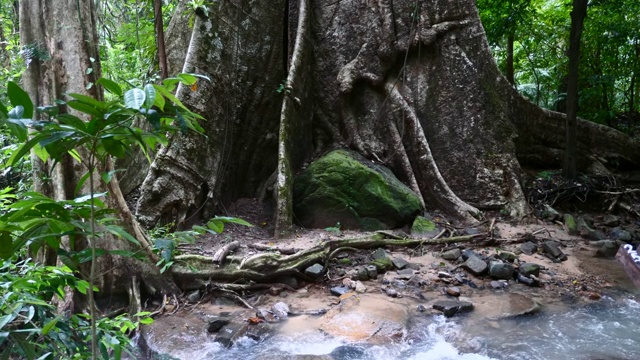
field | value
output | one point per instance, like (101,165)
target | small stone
(360,288)
(608,249)
(372,271)
(570,225)
(266,315)
(405,272)
(391,292)
(497,285)
(550,213)
(443,274)
(421,308)
(529,248)
(475,265)
(283,294)
(453,291)
(216,325)
(339,290)
(399,263)
(467,253)
(451,307)
(526,280)
(397,283)
(528,269)
(507,256)
(498,270)
(349,283)
(314,271)
(363,273)
(452,254)
(610,220)
(380,254)
(230,333)
(595,296)
(552,249)
(620,234)
(413,266)
(194,296)
(280,309)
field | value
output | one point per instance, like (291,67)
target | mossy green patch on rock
(344,187)
(382,264)
(422,225)
(570,224)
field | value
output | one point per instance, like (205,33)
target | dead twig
(222,253)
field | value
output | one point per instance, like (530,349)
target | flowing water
(605,330)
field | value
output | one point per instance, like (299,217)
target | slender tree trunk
(578,14)
(509,68)
(162,54)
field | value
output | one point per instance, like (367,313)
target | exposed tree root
(192,271)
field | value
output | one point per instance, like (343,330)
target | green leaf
(150,96)
(85,108)
(24,149)
(146,321)
(121,232)
(234,220)
(169,96)
(187,79)
(107,176)
(159,101)
(216,225)
(134,98)
(72,121)
(110,85)
(154,119)
(50,110)
(17,96)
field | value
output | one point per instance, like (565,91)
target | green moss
(422,225)
(570,225)
(345,261)
(343,186)
(382,264)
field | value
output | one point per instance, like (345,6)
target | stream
(605,330)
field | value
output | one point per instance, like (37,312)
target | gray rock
(467,253)
(497,285)
(405,272)
(453,291)
(267,315)
(452,254)
(526,280)
(216,324)
(620,234)
(413,266)
(363,273)
(291,281)
(529,248)
(471,231)
(550,213)
(280,309)
(397,283)
(348,352)
(528,269)
(421,308)
(380,254)
(475,265)
(507,256)
(194,296)
(608,249)
(372,271)
(314,271)
(443,274)
(339,290)
(452,307)
(399,263)
(552,249)
(500,271)
(610,220)
(391,292)
(230,333)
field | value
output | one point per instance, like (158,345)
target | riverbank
(360,303)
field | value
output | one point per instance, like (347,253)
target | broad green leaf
(3,111)
(24,149)
(89,101)
(216,225)
(50,324)
(134,98)
(107,176)
(169,96)
(50,110)
(17,96)
(187,79)
(81,182)
(72,121)
(146,321)
(234,220)
(41,152)
(121,232)
(159,101)
(150,96)
(154,119)
(85,108)
(110,85)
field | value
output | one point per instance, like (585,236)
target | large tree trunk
(415,90)
(66,40)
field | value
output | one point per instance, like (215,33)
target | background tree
(578,14)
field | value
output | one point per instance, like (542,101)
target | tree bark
(159,27)
(66,37)
(418,92)
(509,71)
(570,167)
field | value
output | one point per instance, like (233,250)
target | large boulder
(343,187)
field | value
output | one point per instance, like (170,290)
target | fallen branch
(263,267)
(264,247)
(222,253)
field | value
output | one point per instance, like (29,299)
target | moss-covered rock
(422,226)
(344,187)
